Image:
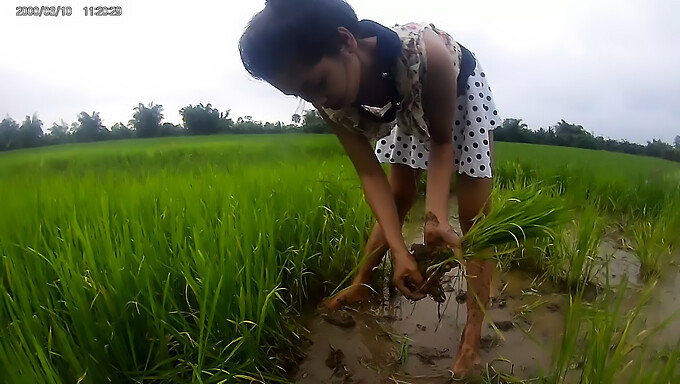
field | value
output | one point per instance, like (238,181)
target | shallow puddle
(394,340)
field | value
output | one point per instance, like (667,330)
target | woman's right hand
(407,277)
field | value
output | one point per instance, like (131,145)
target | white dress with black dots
(406,140)
(475,117)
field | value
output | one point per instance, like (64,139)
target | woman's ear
(348,44)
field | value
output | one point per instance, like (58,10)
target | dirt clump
(428,356)
(426,257)
(339,318)
(335,361)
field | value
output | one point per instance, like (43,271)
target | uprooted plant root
(429,262)
(433,263)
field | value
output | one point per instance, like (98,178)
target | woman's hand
(440,235)
(407,277)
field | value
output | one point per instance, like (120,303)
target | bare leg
(404,182)
(473,196)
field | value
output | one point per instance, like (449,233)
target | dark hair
(297,32)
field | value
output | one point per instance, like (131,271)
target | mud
(394,340)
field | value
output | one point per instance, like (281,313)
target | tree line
(147,121)
(573,135)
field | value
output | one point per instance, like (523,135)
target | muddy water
(394,340)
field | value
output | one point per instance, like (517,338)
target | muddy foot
(354,294)
(467,362)
(339,318)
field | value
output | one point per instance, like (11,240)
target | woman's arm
(381,200)
(439,104)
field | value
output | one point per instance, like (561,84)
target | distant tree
(658,148)
(516,130)
(30,132)
(314,123)
(89,128)
(121,131)
(147,120)
(676,142)
(58,133)
(204,119)
(573,135)
(170,129)
(8,133)
(297,118)
(246,124)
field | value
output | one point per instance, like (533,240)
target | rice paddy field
(198,260)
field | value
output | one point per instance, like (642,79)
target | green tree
(121,131)
(30,132)
(516,130)
(89,127)
(205,120)
(573,135)
(676,142)
(58,133)
(658,148)
(8,133)
(314,123)
(170,129)
(147,120)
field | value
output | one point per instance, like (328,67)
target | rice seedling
(580,251)
(185,275)
(518,215)
(651,244)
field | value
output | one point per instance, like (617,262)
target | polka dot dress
(475,117)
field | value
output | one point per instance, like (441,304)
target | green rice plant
(651,247)
(661,367)
(519,214)
(187,259)
(581,253)
(178,274)
(566,351)
(605,342)
(516,215)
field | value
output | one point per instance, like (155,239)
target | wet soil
(394,340)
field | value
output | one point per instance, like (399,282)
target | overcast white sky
(610,65)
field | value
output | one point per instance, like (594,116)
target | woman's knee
(474,196)
(404,184)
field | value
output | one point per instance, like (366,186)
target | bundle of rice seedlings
(517,215)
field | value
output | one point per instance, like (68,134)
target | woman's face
(331,83)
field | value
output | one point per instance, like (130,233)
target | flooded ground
(394,340)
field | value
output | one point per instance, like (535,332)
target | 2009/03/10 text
(44,10)
(63,10)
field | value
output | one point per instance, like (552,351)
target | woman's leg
(404,183)
(474,195)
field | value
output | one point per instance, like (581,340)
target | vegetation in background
(207,120)
(188,259)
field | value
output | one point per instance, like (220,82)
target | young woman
(424,98)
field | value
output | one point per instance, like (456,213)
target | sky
(609,65)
